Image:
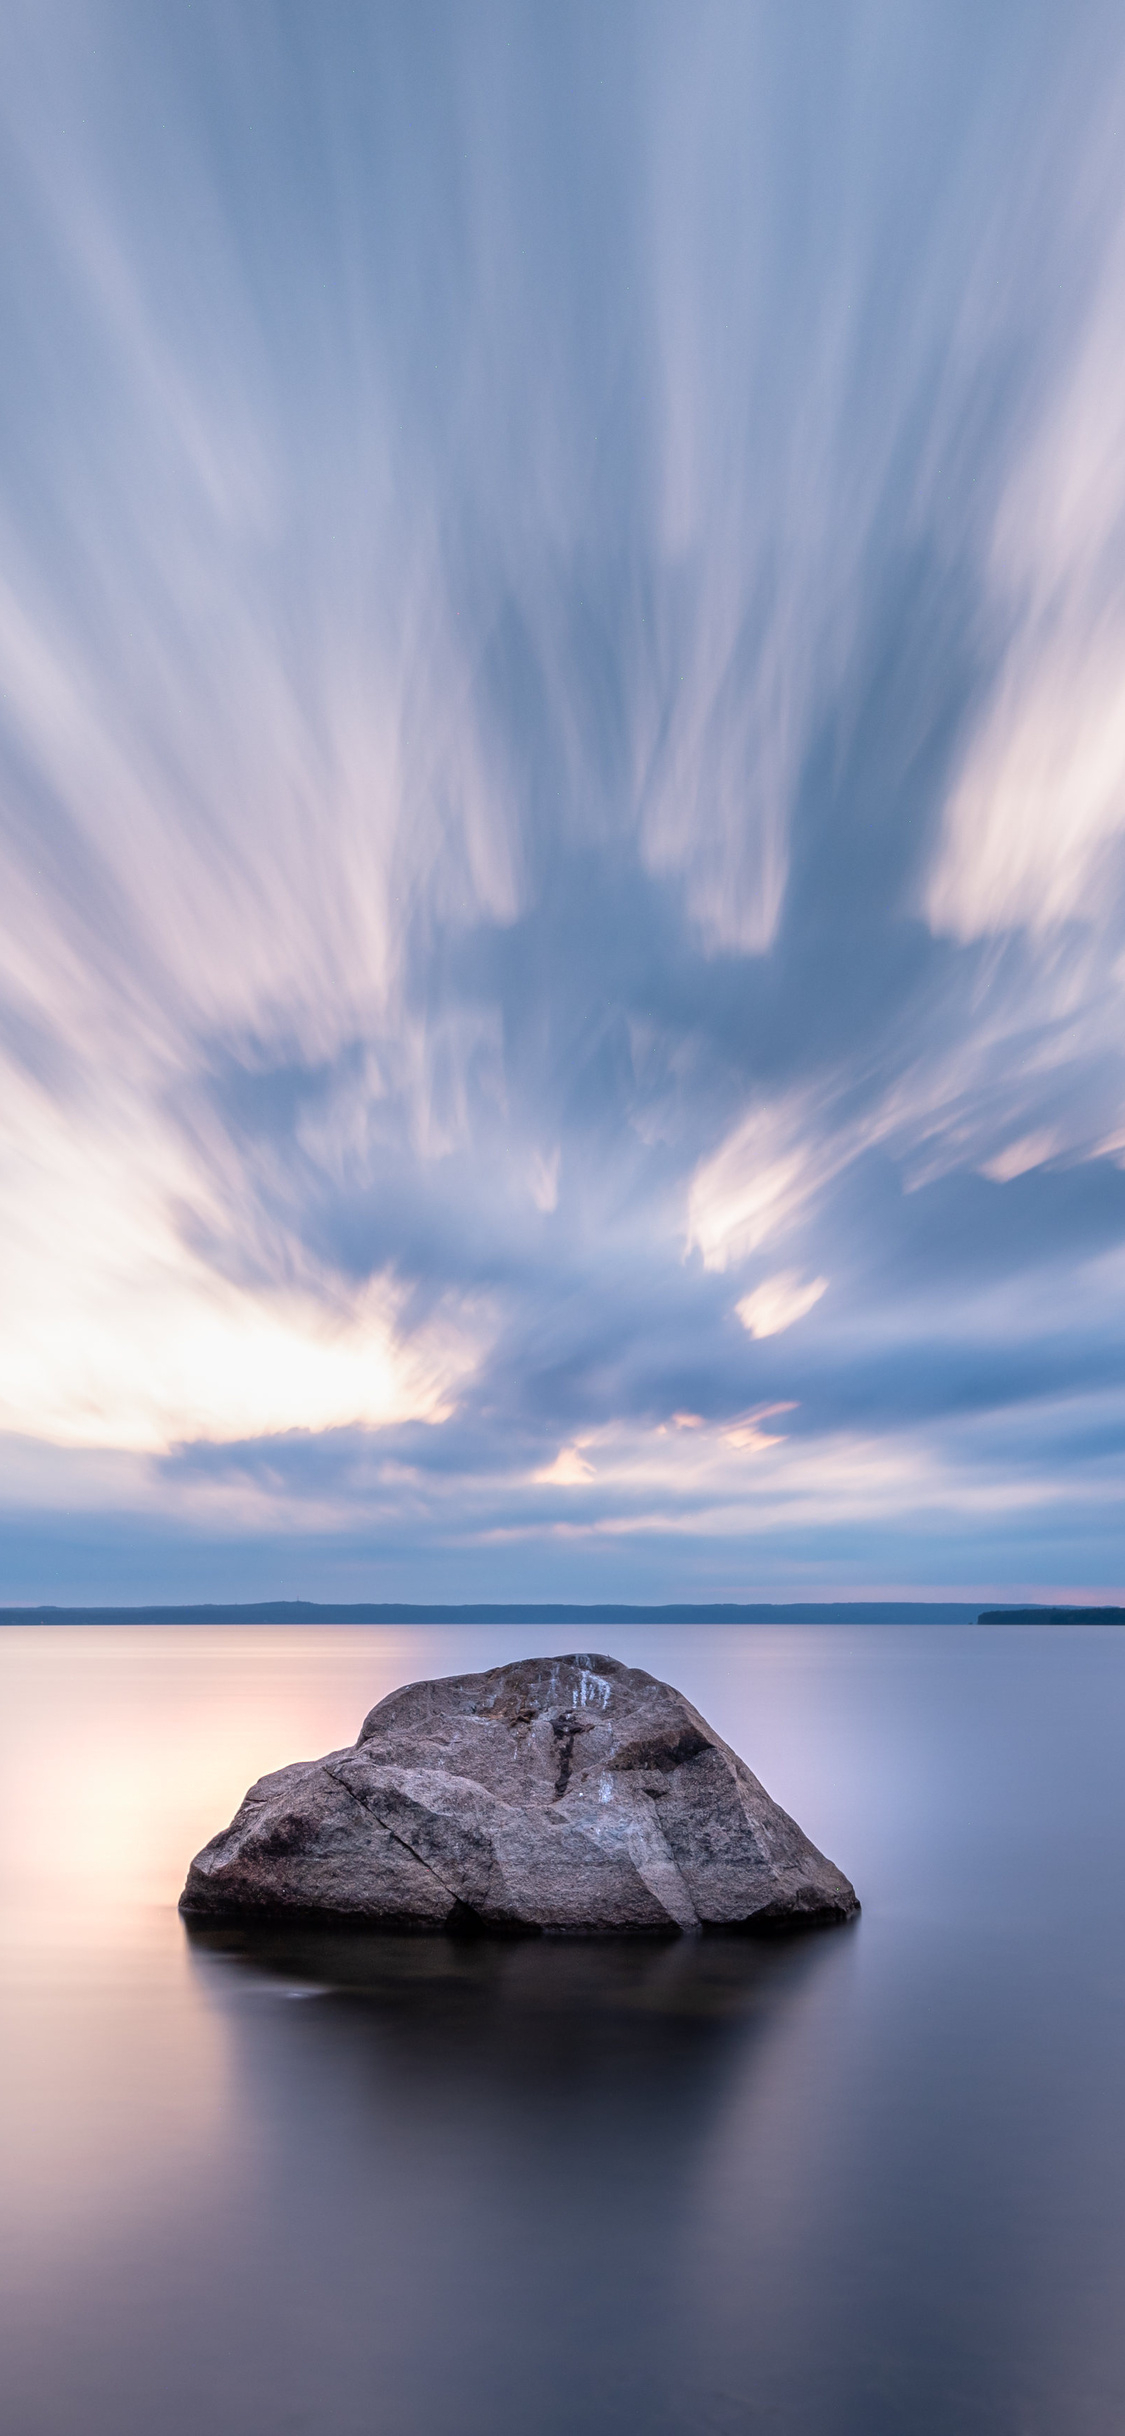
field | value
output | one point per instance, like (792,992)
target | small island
(569,1795)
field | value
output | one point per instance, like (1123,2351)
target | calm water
(870,2181)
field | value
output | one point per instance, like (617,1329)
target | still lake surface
(867,2183)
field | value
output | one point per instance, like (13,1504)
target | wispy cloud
(562,776)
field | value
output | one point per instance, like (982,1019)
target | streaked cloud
(779,1301)
(562,776)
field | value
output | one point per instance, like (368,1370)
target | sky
(562,799)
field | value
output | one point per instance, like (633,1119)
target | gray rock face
(566,1794)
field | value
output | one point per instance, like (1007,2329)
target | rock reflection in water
(483,2156)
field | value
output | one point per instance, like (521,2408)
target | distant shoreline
(1051,1615)
(308,1611)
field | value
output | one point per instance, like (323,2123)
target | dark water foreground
(867,2180)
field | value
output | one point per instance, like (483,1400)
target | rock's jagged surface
(567,1794)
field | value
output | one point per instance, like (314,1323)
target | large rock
(570,1794)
